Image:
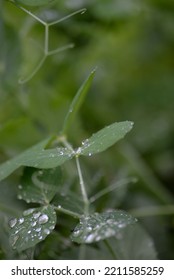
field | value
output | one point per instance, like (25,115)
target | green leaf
(104,138)
(34,2)
(32,227)
(77,102)
(39,186)
(96,227)
(37,157)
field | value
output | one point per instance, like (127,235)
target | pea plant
(39,186)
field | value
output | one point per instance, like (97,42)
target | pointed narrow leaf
(97,226)
(105,138)
(77,101)
(32,227)
(38,157)
(39,186)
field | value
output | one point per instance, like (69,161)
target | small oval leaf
(32,227)
(96,227)
(105,138)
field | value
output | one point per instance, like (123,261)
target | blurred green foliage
(131,42)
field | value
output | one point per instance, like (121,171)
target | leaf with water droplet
(96,227)
(31,228)
(77,102)
(104,138)
(39,186)
(37,156)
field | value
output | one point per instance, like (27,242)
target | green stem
(112,188)
(60,49)
(22,81)
(82,186)
(46,46)
(67,17)
(68,212)
(30,13)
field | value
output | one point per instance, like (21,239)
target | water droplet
(121,225)
(43,219)
(38,229)
(28,212)
(29,231)
(21,220)
(78,151)
(19,196)
(46,231)
(97,238)
(109,232)
(90,154)
(19,187)
(85,143)
(12,222)
(28,200)
(89,228)
(36,215)
(76,233)
(33,224)
(110,221)
(90,238)
(40,237)
(51,227)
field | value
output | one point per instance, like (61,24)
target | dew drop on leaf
(36,215)
(28,212)
(51,227)
(90,238)
(33,224)
(12,222)
(21,220)
(46,231)
(76,233)
(43,219)
(19,197)
(38,229)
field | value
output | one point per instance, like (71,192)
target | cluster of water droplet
(32,227)
(97,227)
